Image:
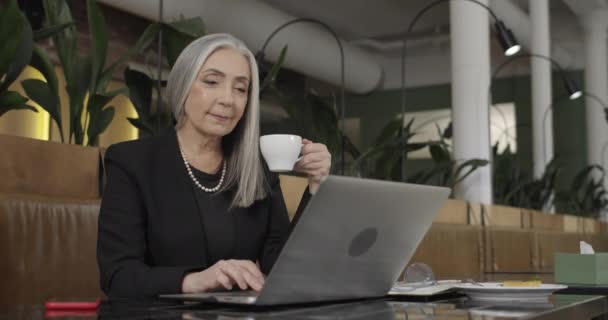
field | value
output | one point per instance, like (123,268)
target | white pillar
(470,82)
(596,83)
(542,144)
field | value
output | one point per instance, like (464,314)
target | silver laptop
(353,240)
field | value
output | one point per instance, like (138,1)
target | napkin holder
(574,268)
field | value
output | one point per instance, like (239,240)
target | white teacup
(281,151)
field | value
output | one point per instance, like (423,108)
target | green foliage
(153,118)
(16,38)
(308,114)
(391,148)
(86,76)
(587,195)
(383,161)
(446,172)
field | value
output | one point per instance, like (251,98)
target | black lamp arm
(297,20)
(552,106)
(597,99)
(260,57)
(560,69)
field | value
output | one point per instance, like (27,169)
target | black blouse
(155,225)
(225,228)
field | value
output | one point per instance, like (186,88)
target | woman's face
(218,96)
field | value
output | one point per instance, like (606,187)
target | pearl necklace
(196,182)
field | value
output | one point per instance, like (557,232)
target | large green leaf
(39,92)
(141,125)
(22,55)
(440,154)
(97,115)
(57,12)
(42,63)
(140,91)
(177,35)
(463,170)
(77,90)
(391,129)
(11,35)
(4,110)
(11,100)
(99,42)
(99,124)
(142,43)
(50,31)
(271,77)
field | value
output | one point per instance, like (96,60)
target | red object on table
(72,305)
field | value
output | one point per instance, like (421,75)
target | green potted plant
(153,118)
(308,114)
(512,187)
(587,196)
(17,38)
(87,76)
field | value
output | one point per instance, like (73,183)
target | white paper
(586,248)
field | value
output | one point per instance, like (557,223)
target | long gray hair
(241,147)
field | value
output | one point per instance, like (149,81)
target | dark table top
(589,289)
(557,307)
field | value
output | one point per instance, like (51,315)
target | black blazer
(151,231)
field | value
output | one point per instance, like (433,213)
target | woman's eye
(242,90)
(210,82)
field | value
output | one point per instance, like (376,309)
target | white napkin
(586,248)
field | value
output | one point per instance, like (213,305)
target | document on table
(442,286)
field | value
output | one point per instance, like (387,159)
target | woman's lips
(219,117)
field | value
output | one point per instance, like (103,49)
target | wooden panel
(29,166)
(509,250)
(453,212)
(590,225)
(599,241)
(543,221)
(292,188)
(503,216)
(603,227)
(452,251)
(475,213)
(572,224)
(550,242)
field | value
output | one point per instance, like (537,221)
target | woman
(196,210)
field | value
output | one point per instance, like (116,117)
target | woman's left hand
(315,163)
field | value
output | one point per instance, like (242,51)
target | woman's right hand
(225,274)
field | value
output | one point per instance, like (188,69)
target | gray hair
(245,170)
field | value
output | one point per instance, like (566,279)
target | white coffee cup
(281,151)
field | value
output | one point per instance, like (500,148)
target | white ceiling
(378,26)
(386,20)
(364,19)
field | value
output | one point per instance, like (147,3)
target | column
(542,143)
(470,82)
(596,83)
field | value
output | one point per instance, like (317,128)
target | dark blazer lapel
(183,196)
